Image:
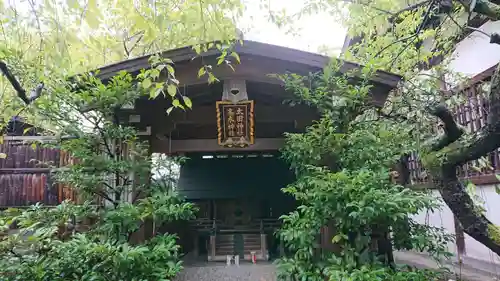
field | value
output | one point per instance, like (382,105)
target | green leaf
(154,92)
(33,146)
(176,103)
(337,238)
(172,90)
(169,110)
(497,175)
(236,56)
(471,186)
(497,189)
(155,73)
(171,70)
(3,155)
(187,101)
(73,4)
(146,83)
(197,49)
(212,78)
(201,72)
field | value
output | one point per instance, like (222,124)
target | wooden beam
(207,114)
(211,145)
(36,138)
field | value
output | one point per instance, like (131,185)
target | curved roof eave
(247,48)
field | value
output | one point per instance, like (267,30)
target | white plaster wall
(475,54)
(440,218)
(491,199)
(444,218)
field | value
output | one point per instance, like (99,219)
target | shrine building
(232,138)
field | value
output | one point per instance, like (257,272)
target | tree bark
(21,92)
(456,148)
(488,8)
(460,203)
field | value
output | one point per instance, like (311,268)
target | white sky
(315,31)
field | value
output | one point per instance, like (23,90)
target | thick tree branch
(449,153)
(409,8)
(461,204)
(21,92)
(494,37)
(488,9)
(456,148)
(452,131)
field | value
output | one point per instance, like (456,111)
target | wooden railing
(472,115)
(210,225)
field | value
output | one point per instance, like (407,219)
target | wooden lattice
(472,114)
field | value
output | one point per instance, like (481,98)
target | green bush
(95,240)
(343,165)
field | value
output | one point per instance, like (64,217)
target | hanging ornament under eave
(235,115)
(234,90)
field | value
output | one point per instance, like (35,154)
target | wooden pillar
(214,204)
(211,246)
(211,254)
(328,232)
(282,248)
(196,250)
(263,246)
(460,238)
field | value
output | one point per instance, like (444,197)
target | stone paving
(222,272)
(266,271)
(469,270)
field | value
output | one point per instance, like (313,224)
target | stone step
(224,242)
(252,241)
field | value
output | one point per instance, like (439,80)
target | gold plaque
(235,123)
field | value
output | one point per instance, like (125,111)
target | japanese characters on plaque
(235,123)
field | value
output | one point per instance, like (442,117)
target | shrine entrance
(232,138)
(240,200)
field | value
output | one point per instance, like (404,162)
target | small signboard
(235,123)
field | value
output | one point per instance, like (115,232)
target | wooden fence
(25,175)
(472,114)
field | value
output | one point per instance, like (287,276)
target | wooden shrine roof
(196,130)
(310,62)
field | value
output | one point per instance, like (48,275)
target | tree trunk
(458,200)
(456,148)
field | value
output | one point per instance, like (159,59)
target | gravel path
(220,272)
